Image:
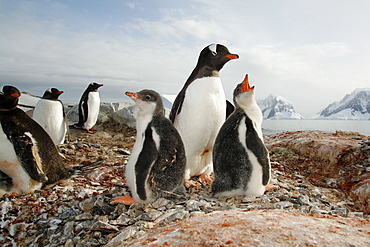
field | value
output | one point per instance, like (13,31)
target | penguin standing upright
(28,156)
(199,110)
(240,159)
(88,108)
(157,163)
(49,113)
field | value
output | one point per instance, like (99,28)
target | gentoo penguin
(240,159)
(157,163)
(199,110)
(49,113)
(28,156)
(88,108)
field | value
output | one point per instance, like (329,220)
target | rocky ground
(321,199)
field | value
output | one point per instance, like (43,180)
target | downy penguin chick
(28,156)
(157,164)
(240,159)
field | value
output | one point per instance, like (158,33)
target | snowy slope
(277,107)
(353,106)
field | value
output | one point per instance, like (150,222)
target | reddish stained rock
(258,228)
(322,157)
(360,193)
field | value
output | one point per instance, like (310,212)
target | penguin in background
(88,107)
(49,113)
(199,110)
(157,163)
(240,159)
(28,156)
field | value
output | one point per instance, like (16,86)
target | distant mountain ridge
(277,107)
(355,105)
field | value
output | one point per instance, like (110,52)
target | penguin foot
(191,183)
(205,179)
(91,131)
(126,200)
(271,187)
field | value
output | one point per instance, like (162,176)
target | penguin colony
(29,158)
(195,140)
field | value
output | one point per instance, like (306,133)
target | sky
(309,52)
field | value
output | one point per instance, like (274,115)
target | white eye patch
(213,48)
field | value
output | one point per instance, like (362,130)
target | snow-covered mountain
(353,106)
(277,107)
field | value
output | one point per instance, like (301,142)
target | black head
(148,100)
(9,98)
(52,93)
(215,56)
(93,86)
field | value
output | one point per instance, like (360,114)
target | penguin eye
(147,97)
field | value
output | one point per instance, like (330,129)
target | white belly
(255,185)
(142,122)
(10,165)
(93,104)
(202,115)
(49,114)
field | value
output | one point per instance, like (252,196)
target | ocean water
(277,126)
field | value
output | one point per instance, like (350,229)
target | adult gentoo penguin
(88,108)
(49,113)
(157,163)
(240,159)
(28,156)
(199,110)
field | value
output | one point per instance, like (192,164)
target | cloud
(131,5)
(56,43)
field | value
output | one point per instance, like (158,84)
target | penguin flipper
(144,166)
(229,108)
(82,112)
(177,105)
(25,151)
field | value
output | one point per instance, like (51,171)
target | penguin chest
(11,166)
(8,157)
(254,180)
(203,112)
(93,107)
(141,160)
(49,114)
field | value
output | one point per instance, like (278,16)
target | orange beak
(132,95)
(60,92)
(245,86)
(232,56)
(15,95)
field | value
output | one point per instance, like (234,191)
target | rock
(84,216)
(361,193)
(77,212)
(126,116)
(254,228)
(192,205)
(103,227)
(151,215)
(120,238)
